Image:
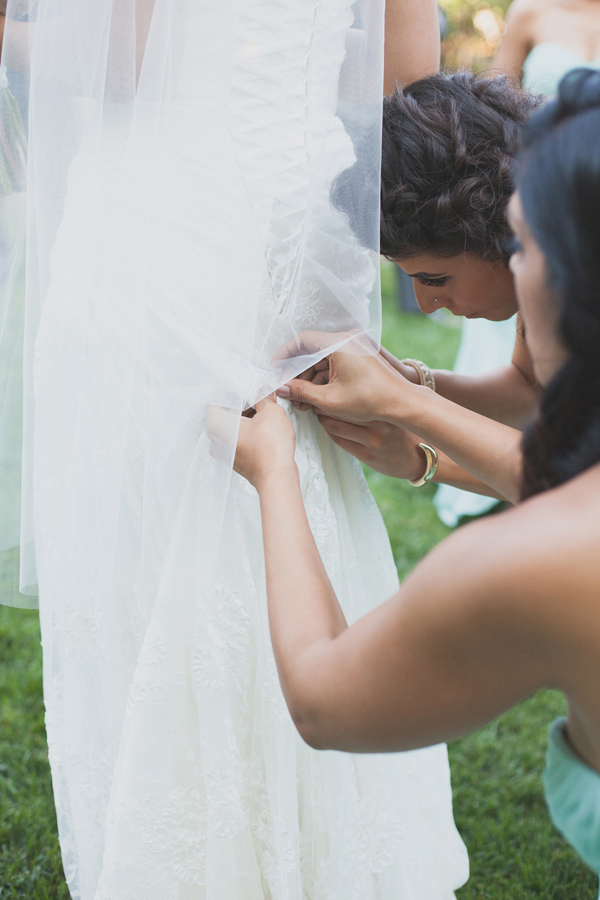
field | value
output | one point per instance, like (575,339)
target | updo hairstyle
(449,143)
(559,188)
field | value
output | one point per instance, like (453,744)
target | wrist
(405,404)
(424,375)
(431,463)
(275,474)
(418,462)
(409,372)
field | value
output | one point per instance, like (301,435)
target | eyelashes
(433,282)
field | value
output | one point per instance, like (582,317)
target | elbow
(309,723)
(304,702)
(312,733)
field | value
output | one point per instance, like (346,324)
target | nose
(428,299)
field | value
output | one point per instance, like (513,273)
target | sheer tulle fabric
(168,224)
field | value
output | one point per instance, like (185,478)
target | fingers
(288,350)
(266,402)
(308,375)
(221,429)
(351,447)
(305,343)
(301,391)
(335,428)
(309,342)
(321,377)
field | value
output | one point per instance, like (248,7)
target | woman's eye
(434,282)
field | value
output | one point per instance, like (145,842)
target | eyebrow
(426,275)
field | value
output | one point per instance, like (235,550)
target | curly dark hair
(449,142)
(559,189)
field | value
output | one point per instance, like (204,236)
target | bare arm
(517,41)
(394,451)
(451,650)
(364,388)
(412,41)
(446,654)
(488,450)
(508,394)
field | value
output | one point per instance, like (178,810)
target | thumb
(301,391)
(267,401)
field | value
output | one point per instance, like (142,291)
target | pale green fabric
(548,63)
(573,796)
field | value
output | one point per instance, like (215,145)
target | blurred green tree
(473,33)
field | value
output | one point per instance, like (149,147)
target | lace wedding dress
(182,157)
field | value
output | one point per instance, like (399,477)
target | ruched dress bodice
(573,796)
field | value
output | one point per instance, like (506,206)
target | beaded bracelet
(425,374)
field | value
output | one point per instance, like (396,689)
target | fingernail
(283,391)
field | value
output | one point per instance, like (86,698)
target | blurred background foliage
(473,31)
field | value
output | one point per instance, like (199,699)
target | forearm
(412,41)
(303,608)
(486,449)
(503,394)
(449,472)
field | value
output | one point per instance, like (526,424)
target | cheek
(540,314)
(426,295)
(521,275)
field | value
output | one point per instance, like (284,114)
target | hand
(408,372)
(389,449)
(308,343)
(266,439)
(317,374)
(361,388)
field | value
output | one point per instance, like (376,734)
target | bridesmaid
(545,39)
(449,143)
(503,607)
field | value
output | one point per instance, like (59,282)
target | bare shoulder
(530,559)
(523,18)
(526,12)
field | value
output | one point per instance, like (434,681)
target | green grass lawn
(515,853)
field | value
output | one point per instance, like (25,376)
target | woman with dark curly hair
(503,607)
(449,143)
(448,147)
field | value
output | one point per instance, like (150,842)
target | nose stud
(436,300)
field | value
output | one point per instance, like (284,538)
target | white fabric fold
(188,206)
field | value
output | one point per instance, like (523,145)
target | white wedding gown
(193,238)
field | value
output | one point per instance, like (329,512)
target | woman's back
(565,600)
(547,552)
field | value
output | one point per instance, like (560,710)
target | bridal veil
(186,186)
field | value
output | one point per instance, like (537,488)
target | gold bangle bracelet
(425,374)
(430,469)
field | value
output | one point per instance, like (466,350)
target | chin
(495,315)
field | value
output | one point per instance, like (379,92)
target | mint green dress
(573,796)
